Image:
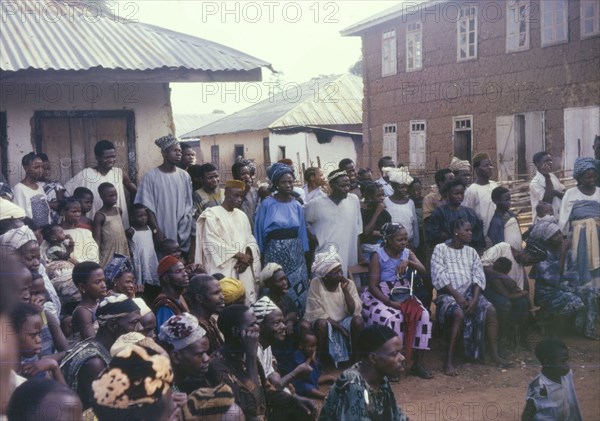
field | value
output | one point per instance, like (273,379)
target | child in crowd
(56,245)
(27,323)
(170,247)
(109,231)
(551,395)
(141,245)
(43,399)
(53,340)
(86,200)
(309,386)
(88,277)
(86,248)
(504,226)
(364,174)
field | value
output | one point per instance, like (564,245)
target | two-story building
(451,78)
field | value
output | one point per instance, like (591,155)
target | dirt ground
(485,392)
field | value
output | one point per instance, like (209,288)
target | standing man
(241,170)
(104,172)
(188,156)
(336,220)
(314,181)
(478,195)
(385,162)
(545,186)
(209,194)
(347,165)
(435,199)
(167,193)
(224,240)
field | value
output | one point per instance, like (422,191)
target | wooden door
(69,142)
(506,147)
(581,126)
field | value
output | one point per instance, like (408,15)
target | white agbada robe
(169,196)
(91,179)
(336,226)
(479,198)
(220,235)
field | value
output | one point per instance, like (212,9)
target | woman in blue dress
(280,231)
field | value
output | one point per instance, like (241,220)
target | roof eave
(163,75)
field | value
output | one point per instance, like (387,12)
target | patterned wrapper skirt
(289,253)
(473,326)
(377,313)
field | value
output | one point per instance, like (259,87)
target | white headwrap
(144,309)
(124,341)
(180,331)
(399,176)
(268,271)
(325,263)
(17,238)
(263,307)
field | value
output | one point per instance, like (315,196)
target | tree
(357,68)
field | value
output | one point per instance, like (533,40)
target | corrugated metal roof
(401,9)
(333,100)
(35,36)
(186,124)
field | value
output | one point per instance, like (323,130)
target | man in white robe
(224,241)
(167,193)
(336,220)
(478,195)
(104,172)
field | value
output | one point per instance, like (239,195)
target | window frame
(475,16)
(551,7)
(596,18)
(517,4)
(411,34)
(389,67)
(417,127)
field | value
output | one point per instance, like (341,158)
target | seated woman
(438,228)
(387,269)
(458,277)
(579,219)
(559,289)
(333,309)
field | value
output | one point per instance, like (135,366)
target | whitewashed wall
(150,102)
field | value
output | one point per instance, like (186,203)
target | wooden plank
(56,143)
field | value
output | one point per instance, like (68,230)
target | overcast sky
(299,38)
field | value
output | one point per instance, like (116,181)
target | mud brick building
(453,78)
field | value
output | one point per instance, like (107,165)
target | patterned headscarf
(138,375)
(207,401)
(166,142)
(268,271)
(334,175)
(263,307)
(399,176)
(17,238)
(389,229)
(582,165)
(276,171)
(117,266)
(325,263)
(180,331)
(232,290)
(544,228)
(115,307)
(459,165)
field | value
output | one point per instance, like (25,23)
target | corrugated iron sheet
(57,35)
(335,100)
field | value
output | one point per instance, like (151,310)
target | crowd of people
(184,298)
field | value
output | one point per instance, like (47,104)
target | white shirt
(537,189)
(479,198)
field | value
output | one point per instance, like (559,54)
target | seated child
(308,386)
(56,245)
(53,340)
(551,395)
(86,199)
(27,323)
